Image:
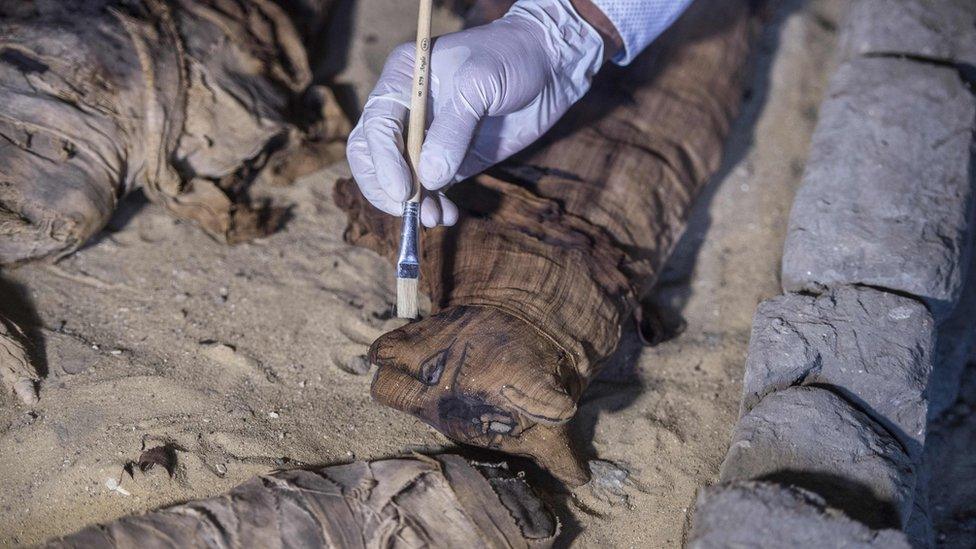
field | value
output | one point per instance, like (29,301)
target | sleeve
(639,22)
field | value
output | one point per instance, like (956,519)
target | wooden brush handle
(418,96)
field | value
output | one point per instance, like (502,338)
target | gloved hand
(495,89)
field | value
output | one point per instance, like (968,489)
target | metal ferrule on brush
(408,262)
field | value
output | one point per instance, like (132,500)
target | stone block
(943,30)
(767,515)
(810,438)
(872,347)
(886,196)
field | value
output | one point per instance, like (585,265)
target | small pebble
(113,485)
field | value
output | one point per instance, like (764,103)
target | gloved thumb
(446,144)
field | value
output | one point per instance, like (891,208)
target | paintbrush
(408,262)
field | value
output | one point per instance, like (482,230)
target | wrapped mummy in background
(187,100)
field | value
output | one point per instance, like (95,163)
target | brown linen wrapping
(554,249)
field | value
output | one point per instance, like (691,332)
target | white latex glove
(495,89)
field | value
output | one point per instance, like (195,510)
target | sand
(250,358)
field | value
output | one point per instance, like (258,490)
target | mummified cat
(407,502)
(183,98)
(554,249)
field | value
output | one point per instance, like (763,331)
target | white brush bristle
(407,297)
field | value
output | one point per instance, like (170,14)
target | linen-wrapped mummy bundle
(186,99)
(395,503)
(554,249)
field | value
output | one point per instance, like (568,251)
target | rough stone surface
(886,196)
(810,438)
(762,514)
(942,30)
(872,347)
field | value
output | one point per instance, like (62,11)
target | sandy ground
(250,358)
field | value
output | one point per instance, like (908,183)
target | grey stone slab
(811,438)
(942,30)
(767,515)
(887,191)
(873,347)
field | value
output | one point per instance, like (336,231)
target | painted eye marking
(433,366)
